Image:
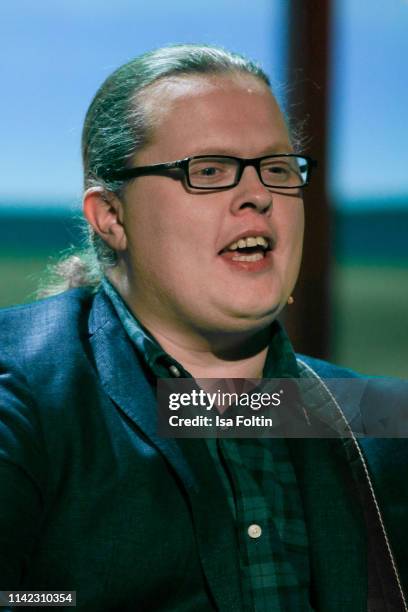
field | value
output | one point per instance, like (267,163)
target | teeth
(262,241)
(250,241)
(253,257)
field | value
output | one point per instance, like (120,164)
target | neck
(204,354)
(230,357)
(221,356)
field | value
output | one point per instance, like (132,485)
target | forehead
(201,114)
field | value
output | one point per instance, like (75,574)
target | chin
(258,309)
(242,320)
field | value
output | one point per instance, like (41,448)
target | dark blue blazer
(93,500)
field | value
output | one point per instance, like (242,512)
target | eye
(212,172)
(277,172)
(208,171)
(278,168)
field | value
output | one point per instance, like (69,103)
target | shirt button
(175,371)
(254,531)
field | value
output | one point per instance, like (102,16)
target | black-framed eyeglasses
(283,171)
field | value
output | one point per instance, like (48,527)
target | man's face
(180,271)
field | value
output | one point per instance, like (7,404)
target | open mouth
(248,249)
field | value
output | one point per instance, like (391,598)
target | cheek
(147,216)
(165,226)
(291,224)
(290,241)
(299,226)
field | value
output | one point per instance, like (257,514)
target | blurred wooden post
(307,320)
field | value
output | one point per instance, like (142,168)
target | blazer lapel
(124,381)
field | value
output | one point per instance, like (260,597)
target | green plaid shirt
(260,483)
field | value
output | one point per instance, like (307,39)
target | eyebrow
(217,150)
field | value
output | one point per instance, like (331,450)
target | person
(193,194)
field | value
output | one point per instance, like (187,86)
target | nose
(251,193)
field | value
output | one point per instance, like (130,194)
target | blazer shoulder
(50,321)
(324,369)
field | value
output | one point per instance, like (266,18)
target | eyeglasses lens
(217,172)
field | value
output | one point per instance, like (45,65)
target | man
(193,192)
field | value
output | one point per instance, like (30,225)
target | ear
(104,212)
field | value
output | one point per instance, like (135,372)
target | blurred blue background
(54,56)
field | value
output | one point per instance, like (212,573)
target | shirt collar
(280,361)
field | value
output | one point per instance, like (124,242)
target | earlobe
(103,210)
